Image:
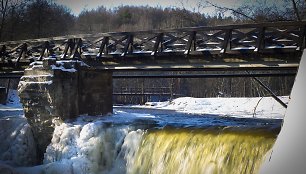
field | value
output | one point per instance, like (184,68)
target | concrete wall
(53,91)
(95,92)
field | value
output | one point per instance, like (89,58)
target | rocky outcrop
(53,91)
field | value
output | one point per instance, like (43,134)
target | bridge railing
(259,38)
(280,37)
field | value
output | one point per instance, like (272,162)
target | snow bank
(259,107)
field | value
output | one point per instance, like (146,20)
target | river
(144,141)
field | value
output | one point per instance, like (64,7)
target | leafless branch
(254,112)
(296,11)
(230,9)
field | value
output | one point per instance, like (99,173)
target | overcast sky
(77,6)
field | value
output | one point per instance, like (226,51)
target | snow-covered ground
(257,107)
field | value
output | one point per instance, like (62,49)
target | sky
(77,6)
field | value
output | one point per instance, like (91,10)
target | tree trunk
(4,9)
(296,11)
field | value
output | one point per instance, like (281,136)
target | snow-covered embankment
(257,107)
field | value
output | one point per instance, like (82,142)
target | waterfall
(100,148)
(199,151)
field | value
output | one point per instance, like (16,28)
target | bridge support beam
(3,95)
(53,91)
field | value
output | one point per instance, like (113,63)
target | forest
(27,19)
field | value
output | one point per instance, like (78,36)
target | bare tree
(3,10)
(296,10)
(260,10)
(5,7)
(224,9)
(299,9)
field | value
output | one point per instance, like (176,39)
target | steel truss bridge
(232,47)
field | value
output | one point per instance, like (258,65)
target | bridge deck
(266,45)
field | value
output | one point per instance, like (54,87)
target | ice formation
(17,146)
(89,148)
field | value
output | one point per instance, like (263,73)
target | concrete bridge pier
(53,91)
